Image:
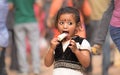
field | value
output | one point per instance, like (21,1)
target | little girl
(71,55)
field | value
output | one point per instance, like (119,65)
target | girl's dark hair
(70,10)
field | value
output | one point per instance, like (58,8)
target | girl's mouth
(65,32)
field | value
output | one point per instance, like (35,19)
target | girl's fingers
(72,43)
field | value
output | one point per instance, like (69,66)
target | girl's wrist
(51,49)
(76,52)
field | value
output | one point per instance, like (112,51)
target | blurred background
(91,12)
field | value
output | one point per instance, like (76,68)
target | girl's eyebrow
(64,20)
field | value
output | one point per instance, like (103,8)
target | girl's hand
(54,42)
(73,46)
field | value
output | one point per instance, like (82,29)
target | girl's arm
(83,57)
(49,58)
(83,54)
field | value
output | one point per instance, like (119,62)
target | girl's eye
(61,23)
(70,23)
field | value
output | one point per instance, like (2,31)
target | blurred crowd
(30,24)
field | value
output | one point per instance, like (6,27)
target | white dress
(66,71)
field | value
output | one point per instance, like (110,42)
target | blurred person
(97,9)
(12,46)
(110,20)
(41,15)
(106,50)
(103,29)
(26,25)
(68,58)
(46,8)
(102,41)
(4,36)
(115,24)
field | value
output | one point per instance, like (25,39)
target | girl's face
(67,24)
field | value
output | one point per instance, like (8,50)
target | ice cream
(62,36)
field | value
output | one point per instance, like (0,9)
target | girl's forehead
(67,16)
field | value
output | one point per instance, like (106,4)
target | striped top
(115,21)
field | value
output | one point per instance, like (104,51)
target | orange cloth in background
(69,3)
(86,8)
(56,32)
(55,6)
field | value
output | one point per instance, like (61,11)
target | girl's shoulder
(82,43)
(78,39)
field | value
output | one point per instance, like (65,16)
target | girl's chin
(68,38)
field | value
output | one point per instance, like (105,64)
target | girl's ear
(81,31)
(79,26)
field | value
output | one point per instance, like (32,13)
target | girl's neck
(66,39)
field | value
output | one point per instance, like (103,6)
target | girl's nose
(65,25)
